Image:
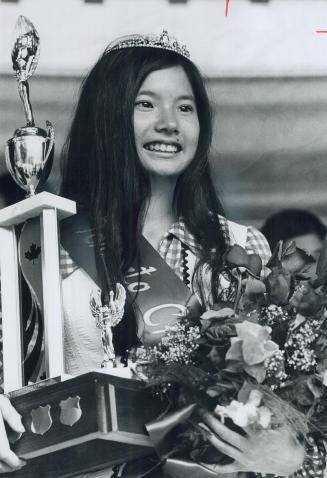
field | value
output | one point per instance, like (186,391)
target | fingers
(7,456)
(224,447)
(8,469)
(222,431)
(10,415)
(8,459)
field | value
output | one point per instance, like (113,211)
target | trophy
(29,152)
(73,424)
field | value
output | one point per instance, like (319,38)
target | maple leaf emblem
(33,252)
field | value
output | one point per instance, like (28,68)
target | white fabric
(238,233)
(82,338)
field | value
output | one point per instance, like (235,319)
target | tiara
(163,41)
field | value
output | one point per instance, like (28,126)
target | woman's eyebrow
(147,93)
(157,95)
(187,97)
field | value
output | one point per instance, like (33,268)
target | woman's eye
(143,104)
(186,108)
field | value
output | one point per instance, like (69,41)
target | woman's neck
(159,216)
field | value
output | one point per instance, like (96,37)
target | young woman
(137,165)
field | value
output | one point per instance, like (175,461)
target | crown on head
(163,41)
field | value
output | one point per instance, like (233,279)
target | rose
(251,348)
(290,258)
(245,414)
(306,299)
(217,325)
(238,257)
(253,295)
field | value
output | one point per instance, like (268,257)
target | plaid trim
(256,243)
(315,462)
(170,247)
(67,265)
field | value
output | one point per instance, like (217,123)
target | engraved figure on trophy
(108,316)
(29,152)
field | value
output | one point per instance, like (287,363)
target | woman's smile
(163,147)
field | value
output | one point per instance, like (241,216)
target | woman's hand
(8,460)
(261,451)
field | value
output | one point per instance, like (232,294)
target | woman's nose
(167,121)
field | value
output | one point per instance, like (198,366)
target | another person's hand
(8,460)
(261,451)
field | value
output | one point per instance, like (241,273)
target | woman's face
(166,123)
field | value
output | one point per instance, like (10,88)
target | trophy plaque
(73,424)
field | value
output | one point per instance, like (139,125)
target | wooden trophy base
(83,424)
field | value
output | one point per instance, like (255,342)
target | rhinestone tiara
(163,41)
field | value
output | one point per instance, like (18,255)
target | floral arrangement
(258,358)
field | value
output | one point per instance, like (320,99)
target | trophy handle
(49,140)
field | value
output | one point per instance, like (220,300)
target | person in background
(299,225)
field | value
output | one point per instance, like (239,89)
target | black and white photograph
(163,248)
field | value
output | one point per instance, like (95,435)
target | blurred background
(266,70)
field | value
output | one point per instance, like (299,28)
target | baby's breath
(176,347)
(300,354)
(273,314)
(275,372)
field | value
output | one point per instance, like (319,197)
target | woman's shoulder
(249,237)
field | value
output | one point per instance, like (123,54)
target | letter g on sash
(169,317)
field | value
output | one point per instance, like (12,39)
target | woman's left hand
(262,451)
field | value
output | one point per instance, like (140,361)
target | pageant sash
(161,296)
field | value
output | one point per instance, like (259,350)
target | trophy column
(49,208)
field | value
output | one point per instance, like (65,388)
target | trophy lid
(30,131)
(26,50)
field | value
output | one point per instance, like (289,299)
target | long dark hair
(102,172)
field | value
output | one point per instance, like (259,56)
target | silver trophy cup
(29,156)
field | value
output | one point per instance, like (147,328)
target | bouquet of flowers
(257,359)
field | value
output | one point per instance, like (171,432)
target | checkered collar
(179,231)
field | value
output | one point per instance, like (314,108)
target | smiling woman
(136,162)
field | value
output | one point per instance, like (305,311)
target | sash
(161,297)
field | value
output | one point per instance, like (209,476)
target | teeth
(164,148)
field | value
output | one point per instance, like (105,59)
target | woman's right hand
(8,460)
